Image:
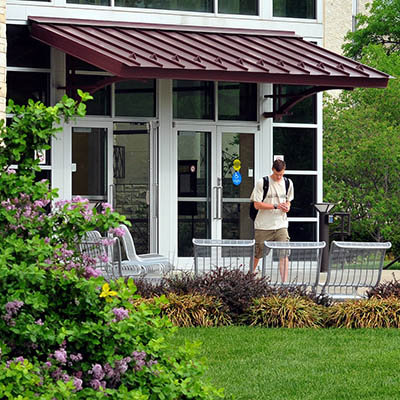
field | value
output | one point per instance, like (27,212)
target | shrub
(385,289)
(193,310)
(287,312)
(64,332)
(366,313)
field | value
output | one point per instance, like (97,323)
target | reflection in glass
(22,86)
(101,103)
(236,223)
(23,50)
(91,2)
(303,231)
(294,8)
(194,197)
(237,101)
(298,145)
(131,179)
(181,5)
(135,98)
(193,100)
(303,112)
(305,194)
(243,7)
(89,154)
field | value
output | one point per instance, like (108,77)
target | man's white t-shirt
(272,219)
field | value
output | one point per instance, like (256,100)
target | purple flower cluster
(120,314)
(12,308)
(117,232)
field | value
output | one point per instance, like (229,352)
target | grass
(329,364)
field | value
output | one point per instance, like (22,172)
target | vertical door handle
(218,202)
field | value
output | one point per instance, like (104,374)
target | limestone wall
(3,60)
(338,20)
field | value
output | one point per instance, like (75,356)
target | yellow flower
(107,293)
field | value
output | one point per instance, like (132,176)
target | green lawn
(323,364)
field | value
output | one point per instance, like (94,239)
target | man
(271,222)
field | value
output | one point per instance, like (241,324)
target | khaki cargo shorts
(277,235)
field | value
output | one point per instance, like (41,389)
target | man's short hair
(279,165)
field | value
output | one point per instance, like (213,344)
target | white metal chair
(149,262)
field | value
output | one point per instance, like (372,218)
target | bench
(354,267)
(292,263)
(210,254)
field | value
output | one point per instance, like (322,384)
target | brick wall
(3,62)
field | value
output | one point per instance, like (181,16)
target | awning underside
(144,51)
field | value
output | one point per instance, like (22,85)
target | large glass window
(298,146)
(23,50)
(303,112)
(302,231)
(294,8)
(91,2)
(193,100)
(181,5)
(22,86)
(237,101)
(135,99)
(101,103)
(305,194)
(243,7)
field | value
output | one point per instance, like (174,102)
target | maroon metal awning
(149,51)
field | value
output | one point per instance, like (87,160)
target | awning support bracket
(280,108)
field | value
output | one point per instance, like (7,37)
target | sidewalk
(387,275)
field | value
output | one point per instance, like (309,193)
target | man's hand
(285,207)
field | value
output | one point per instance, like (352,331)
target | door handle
(218,202)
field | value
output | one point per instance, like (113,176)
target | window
(237,101)
(303,112)
(28,67)
(23,50)
(243,7)
(302,231)
(305,194)
(91,2)
(298,145)
(294,8)
(181,5)
(193,100)
(135,99)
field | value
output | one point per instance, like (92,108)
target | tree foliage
(362,153)
(381,26)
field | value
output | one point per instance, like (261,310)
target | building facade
(178,152)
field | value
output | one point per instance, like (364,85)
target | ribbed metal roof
(149,51)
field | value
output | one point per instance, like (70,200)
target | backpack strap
(265,187)
(287,183)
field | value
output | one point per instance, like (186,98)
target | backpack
(253,211)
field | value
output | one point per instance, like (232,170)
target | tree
(362,153)
(380,26)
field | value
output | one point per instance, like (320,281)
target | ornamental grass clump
(65,333)
(366,313)
(191,310)
(286,312)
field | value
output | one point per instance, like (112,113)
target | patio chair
(102,253)
(149,262)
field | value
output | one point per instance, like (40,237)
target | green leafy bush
(64,332)
(287,312)
(366,313)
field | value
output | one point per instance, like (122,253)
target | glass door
(91,159)
(215,181)
(135,188)
(235,157)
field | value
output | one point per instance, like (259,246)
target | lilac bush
(65,332)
